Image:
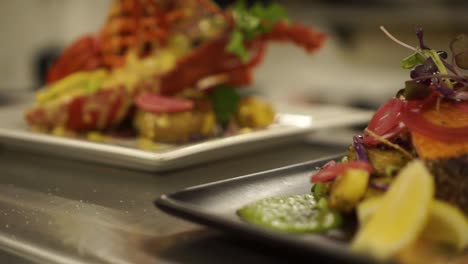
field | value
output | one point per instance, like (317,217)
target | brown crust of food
(451,179)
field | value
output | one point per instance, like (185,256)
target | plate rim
(181,156)
(169,204)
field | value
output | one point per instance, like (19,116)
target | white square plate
(292,123)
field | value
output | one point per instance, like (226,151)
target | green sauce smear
(298,213)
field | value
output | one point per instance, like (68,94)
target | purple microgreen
(397,40)
(439,64)
(359,148)
(443,90)
(459,48)
(420,35)
(424,69)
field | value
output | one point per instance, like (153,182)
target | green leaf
(225,101)
(236,46)
(412,61)
(250,22)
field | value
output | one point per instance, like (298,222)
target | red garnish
(213,59)
(386,122)
(416,122)
(162,104)
(331,169)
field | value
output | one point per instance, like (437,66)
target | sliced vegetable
(386,122)
(416,122)
(162,104)
(331,170)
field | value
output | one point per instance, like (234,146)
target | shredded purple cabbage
(379,186)
(361,153)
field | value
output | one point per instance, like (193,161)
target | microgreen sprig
(430,71)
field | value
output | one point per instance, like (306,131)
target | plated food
(405,179)
(166,71)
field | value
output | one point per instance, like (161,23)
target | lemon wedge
(446,223)
(401,216)
(367,208)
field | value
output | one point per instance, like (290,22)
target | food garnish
(406,176)
(169,71)
(401,215)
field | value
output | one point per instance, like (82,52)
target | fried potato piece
(174,127)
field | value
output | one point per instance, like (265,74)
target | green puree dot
(294,213)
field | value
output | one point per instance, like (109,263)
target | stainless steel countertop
(55,210)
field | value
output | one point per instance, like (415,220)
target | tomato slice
(386,122)
(331,169)
(162,104)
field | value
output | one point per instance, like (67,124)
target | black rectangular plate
(215,205)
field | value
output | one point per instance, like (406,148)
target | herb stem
(388,143)
(397,40)
(450,76)
(440,65)
(451,68)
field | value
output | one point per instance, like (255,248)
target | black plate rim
(170,204)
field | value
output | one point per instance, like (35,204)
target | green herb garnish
(225,102)
(431,72)
(412,61)
(250,22)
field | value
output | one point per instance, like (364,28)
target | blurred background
(358,65)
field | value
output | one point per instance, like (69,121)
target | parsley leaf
(250,22)
(225,102)
(236,45)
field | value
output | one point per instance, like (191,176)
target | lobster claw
(83,55)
